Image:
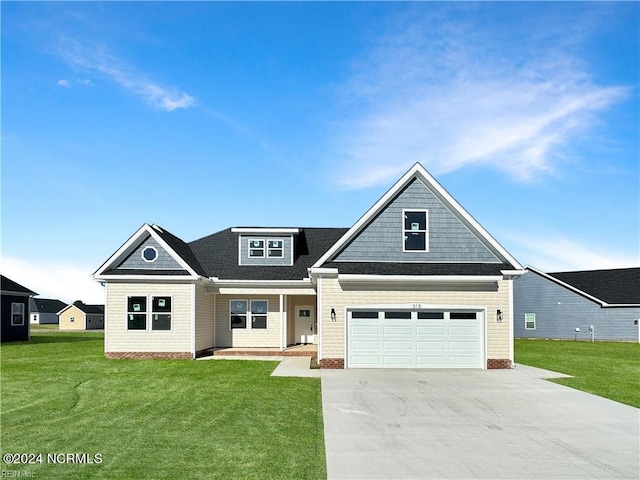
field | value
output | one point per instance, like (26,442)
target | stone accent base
(150,355)
(335,363)
(496,363)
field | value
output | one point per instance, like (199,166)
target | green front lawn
(607,369)
(154,419)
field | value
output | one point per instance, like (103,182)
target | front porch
(292,351)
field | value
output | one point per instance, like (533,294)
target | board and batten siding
(498,339)
(226,337)
(204,319)
(449,240)
(559,311)
(177,340)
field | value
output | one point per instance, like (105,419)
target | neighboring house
(416,282)
(554,305)
(45,310)
(80,316)
(14,310)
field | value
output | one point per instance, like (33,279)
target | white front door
(305,321)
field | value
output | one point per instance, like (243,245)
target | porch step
(297,351)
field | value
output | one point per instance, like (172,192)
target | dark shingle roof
(46,305)
(395,268)
(181,248)
(8,285)
(616,286)
(92,309)
(218,254)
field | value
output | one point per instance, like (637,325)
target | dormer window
(275,249)
(256,248)
(415,231)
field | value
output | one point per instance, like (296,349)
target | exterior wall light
(333,315)
(499,316)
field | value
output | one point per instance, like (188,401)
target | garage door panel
(471,331)
(398,361)
(396,330)
(359,345)
(442,330)
(365,360)
(431,346)
(396,345)
(365,329)
(430,361)
(412,340)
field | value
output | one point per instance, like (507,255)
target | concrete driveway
(463,424)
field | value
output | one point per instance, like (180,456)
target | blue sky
(199,116)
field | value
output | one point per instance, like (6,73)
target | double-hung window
(138,311)
(529,321)
(160,313)
(17,314)
(248,314)
(256,248)
(415,230)
(261,247)
(259,314)
(275,249)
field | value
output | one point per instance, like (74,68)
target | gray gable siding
(449,239)
(285,260)
(163,262)
(560,310)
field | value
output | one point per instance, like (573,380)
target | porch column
(283,322)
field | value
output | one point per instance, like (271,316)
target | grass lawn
(607,369)
(155,419)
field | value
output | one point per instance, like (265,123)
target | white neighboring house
(80,316)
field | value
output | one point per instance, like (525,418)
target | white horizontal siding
(119,339)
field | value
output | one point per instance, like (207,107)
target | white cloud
(64,83)
(98,59)
(446,93)
(559,253)
(52,280)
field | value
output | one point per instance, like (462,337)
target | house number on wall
(417,305)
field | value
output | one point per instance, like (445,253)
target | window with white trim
(17,314)
(256,248)
(138,312)
(161,313)
(149,254)
(248,314)
(415,231)
(529,321)
(275,248)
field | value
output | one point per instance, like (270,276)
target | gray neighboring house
(45,310)
(554,305)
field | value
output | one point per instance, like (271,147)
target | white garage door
(414,339)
